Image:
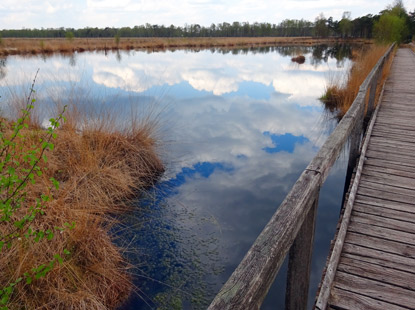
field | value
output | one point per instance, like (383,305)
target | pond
(237,128)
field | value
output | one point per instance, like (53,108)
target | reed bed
(100,170)
(29,46)
(341,91)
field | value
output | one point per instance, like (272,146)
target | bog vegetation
(341,92)
(60,189)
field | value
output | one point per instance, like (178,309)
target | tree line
(392,24)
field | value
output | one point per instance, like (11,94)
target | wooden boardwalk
(377,262)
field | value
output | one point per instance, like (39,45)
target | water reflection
(243,124)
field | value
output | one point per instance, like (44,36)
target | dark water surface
(238,128)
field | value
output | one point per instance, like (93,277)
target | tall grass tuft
(100,169)
(341,92)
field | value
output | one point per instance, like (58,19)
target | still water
(237,128)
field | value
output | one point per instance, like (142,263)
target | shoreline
(35,46)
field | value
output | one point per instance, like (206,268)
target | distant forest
(361,27)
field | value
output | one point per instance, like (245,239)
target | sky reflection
(240,129)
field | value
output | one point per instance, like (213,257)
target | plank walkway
(377,262)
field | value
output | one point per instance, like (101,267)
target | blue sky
(19,14)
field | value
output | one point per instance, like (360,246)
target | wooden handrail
(294,220)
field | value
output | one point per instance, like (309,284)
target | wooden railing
(291,228)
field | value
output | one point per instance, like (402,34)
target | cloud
(107,13)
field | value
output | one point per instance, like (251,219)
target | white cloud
(103,13)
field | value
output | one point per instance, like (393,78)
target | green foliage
(394,24)
(321,28)
(390,28)
(117,39)
(346,25)
(69,35)
(19,169)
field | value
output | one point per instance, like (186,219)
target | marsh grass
(100,169)
(342,90)
(33,46)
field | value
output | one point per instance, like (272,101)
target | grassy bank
(22,46)
(342,90)
(99,170)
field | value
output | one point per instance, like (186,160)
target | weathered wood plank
(384,212)
(378,273)
(374,289)
(346,300)
(388,197)
(378,221)
(397,172)
(392,157)
(399,181)
(384,249)
(379,258)
(385,185)
(394,137)
(399,131)
(394,148)
(381,232)
(374,162)
(379,202)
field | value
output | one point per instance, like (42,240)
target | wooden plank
(397,110)
(384,212)
(379,258)
(391,157)
(379,202)
(393,113)
(394,137)
(398,132)
(346,300)
(378,273)
(381,128)
(399,181)
(299,263)
(393,152)
(374,289)
(374,162)
(395,149)
(386,186)
(395,123)
(391,171)
(381,249)
(381,232)
(378,221)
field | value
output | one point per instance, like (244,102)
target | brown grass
(25,46)
(341,92)
(98,170)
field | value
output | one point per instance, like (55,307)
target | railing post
(373,87)
(354,144)
(299,262)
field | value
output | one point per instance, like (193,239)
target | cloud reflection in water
(243,129)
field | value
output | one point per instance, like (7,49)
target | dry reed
(341,92)
(33,46)
(98,170)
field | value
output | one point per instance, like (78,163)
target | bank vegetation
(34,46)
(62,189)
